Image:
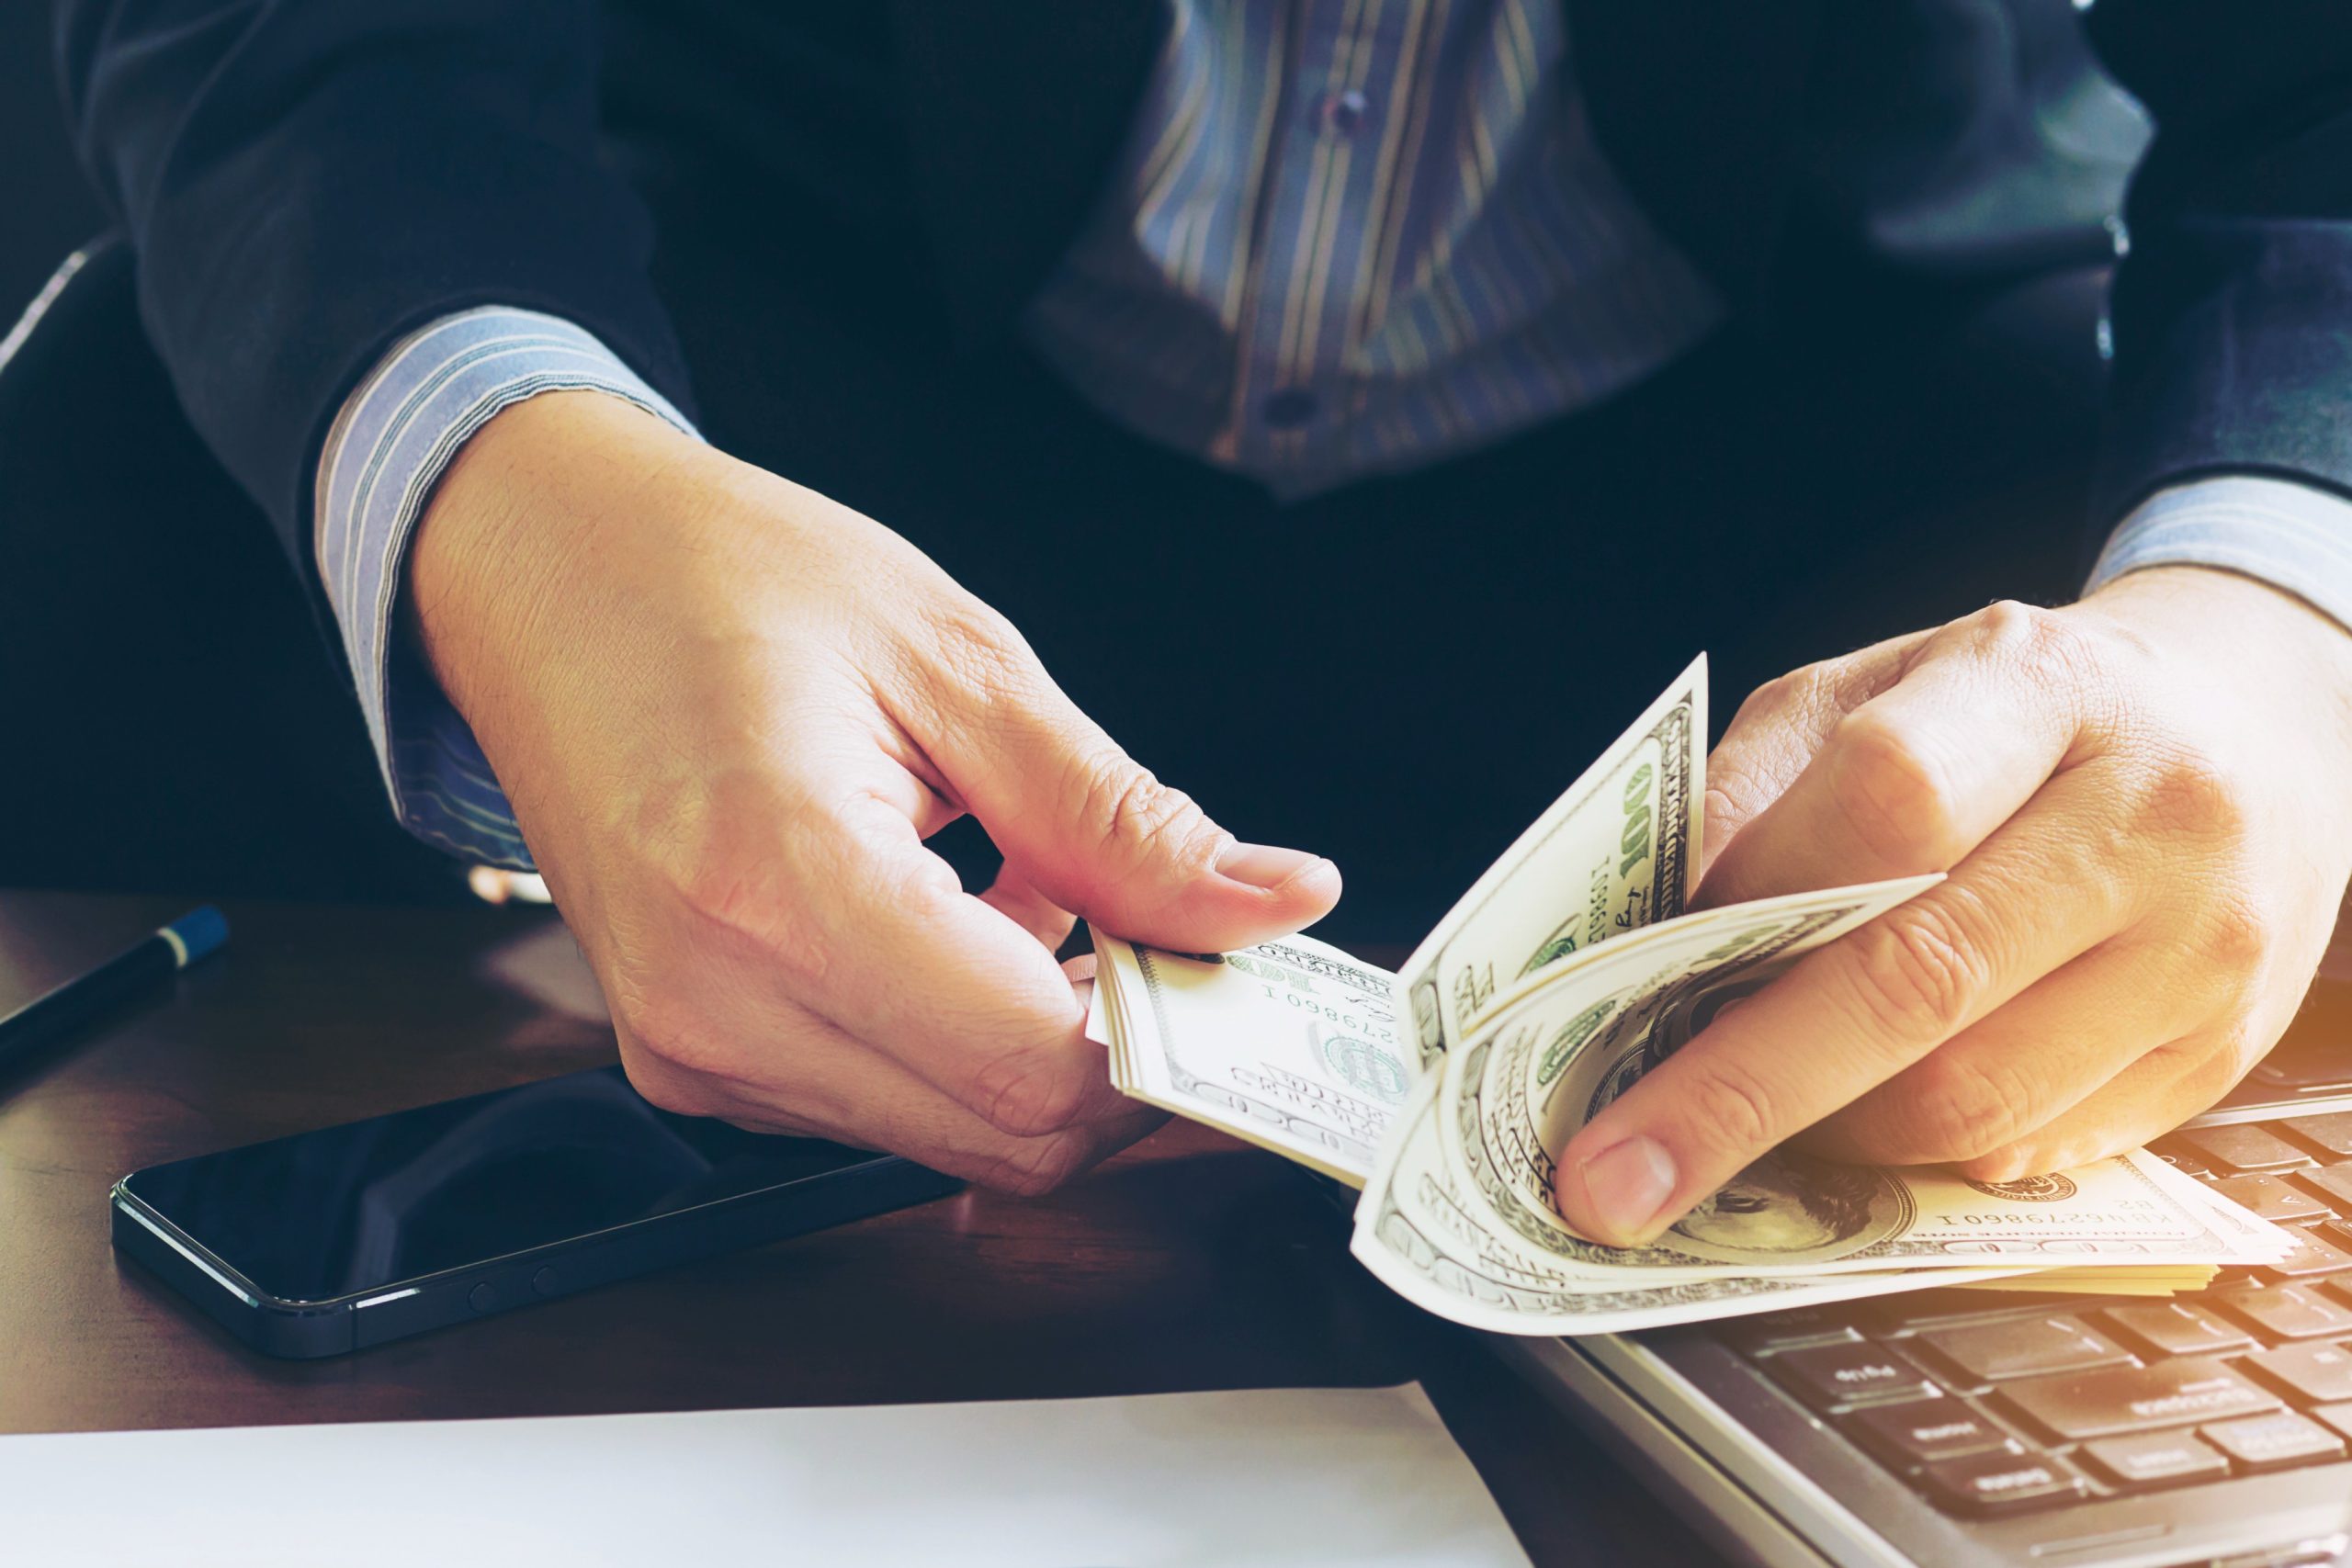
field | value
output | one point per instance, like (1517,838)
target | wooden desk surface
(1190,1262)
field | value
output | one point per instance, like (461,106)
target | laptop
(2012,1431)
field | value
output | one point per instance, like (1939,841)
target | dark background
(46,208)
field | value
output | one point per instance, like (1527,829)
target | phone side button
(484,1297)
(547,1281)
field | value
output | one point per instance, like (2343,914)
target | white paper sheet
(1275,1478)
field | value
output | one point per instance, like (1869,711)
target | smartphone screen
(347,1210)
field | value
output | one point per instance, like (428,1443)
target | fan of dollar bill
(1445,1092)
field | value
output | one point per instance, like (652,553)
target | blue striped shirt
(1356,236)
(386,449)
(1345,237)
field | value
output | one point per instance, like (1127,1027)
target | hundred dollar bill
(2098,1281)
(1290,1044)
(1617,851)
(1570,971)
(1424,1234)
(1557,1057)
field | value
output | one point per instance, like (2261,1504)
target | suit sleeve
(2232,309)
(386,452)
(306,182)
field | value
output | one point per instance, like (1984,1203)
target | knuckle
(658,1024)
(1896,797)
(1806,696)
(2191,795)
(743,883)
(981,651)
(2009,623)
(1036,1167)
(1737,1109)
(1965,1109)
(670,1038)
(1732,798)
(2049,646)
(1782,694)
(726,889)
(2032,635)
(1135,819)
(1914,973)
(2239,935)
(2216,1071)
(2014,1162)
(1028,1093)
(665,1093)
(658,1082)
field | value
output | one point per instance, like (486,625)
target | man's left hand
(2145,802)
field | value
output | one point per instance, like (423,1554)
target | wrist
(2222,600)
(496,565)
(2237,624)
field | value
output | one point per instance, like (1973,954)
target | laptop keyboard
(1991,1403)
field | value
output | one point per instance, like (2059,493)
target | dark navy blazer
(305,182)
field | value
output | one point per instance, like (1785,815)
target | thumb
(1093,831)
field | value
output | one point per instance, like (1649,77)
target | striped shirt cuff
(2291,535)
(394,438)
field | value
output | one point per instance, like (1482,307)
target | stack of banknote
(1445,1092)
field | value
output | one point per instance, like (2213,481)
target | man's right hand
(728,712)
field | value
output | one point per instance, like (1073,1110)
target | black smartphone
(348,1236)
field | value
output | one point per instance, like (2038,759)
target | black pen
(86,996)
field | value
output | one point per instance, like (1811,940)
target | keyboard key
(2004,1482)
(2283,1312)
(2308,1374)
(2271,1198)
(1783,1330)
(2316,1253)
(2113,1400)
(2332,1184)
(2272,1442)
(1994,1352)
(2185,1160)
(1827,1375)
(2336,1416)
(1918,1311)
(2154,1459)
(2332,1132)
(1924,1431)
(2247,1146)
(2307,1067)
(2175,1328)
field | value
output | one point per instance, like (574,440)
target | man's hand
(728,712)
(2144,801)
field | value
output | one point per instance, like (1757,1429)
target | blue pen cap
(197,933)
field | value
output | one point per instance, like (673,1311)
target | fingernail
(1627,1184)
(1262,865)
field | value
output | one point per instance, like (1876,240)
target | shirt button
(1289,409)
(1343,114)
